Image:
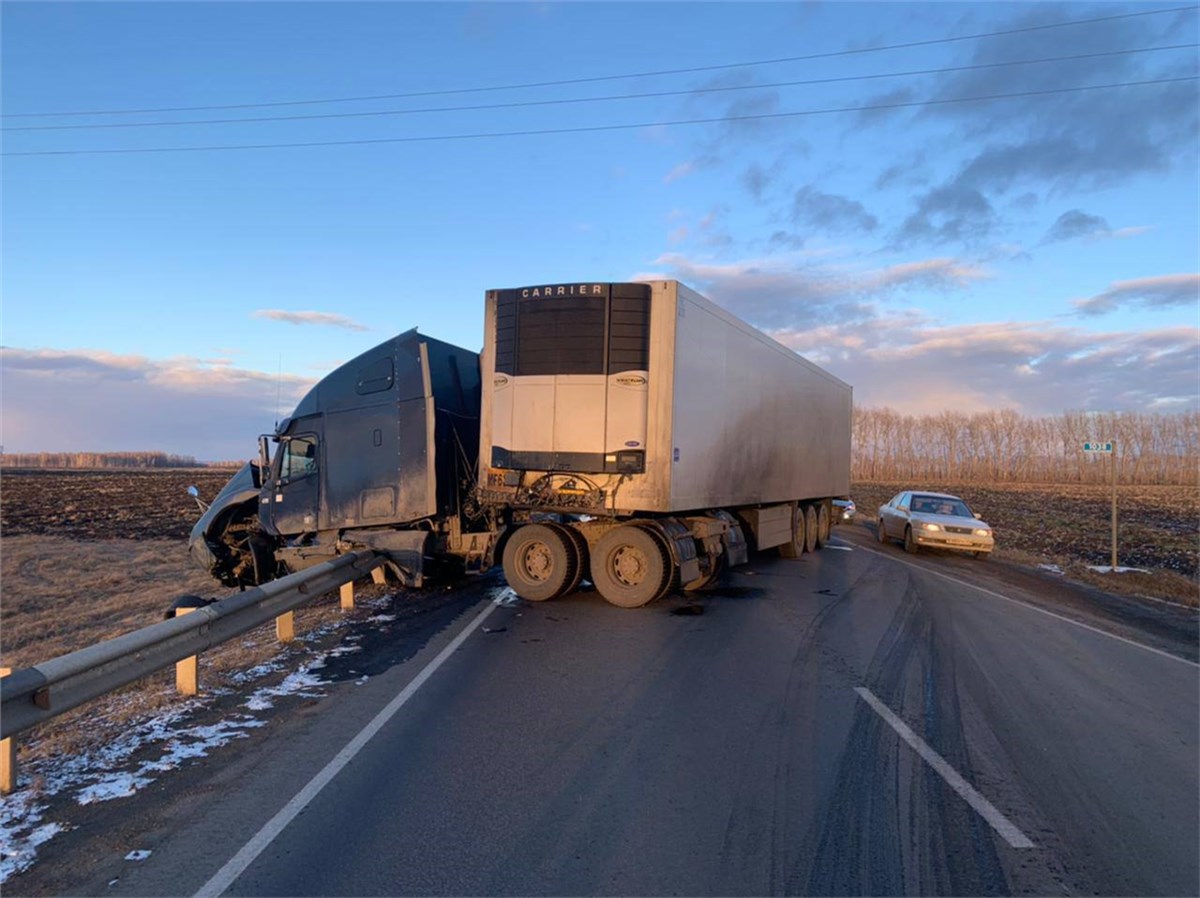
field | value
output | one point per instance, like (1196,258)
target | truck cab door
(294,492)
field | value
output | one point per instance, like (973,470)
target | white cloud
(325,319)
(682,170)
(90,400)
(1161,292)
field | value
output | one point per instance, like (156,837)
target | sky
(964,206)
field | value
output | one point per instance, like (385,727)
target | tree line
(1007,447)
(97,460)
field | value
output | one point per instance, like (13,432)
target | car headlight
(930,527)
(983,533)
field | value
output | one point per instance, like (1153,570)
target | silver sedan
(936,520)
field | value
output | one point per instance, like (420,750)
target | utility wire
(619,127)
(577,100)
(598,78)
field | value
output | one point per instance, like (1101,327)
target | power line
(599,78)
(578,100)
(597,128)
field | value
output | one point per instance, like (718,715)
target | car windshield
(940,505)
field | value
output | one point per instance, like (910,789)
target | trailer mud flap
(736,550)
(682,547)
(405,550)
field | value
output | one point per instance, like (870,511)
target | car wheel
(982,556)
(910,541)
(880,533)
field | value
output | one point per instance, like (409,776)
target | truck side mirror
(264,455)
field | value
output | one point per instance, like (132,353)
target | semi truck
(633,434)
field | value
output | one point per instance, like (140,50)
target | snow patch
(505,597)
(1108,569)
(139,855)
(381,618)
(1052,568)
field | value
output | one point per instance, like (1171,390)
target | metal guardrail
(32,695)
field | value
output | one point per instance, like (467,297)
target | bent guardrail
(32,695)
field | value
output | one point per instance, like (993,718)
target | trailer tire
(795,547)
(810,528)
(629,566)
(823,523)
(539,562)
(580,545)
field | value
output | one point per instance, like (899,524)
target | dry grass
(60,595)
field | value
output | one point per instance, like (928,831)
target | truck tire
(672,579)
(910,542)
(539,562)
(795,548)
(823,523)
(629,566)
(810,528)
(580,558)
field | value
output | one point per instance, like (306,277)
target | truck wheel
(629,566)
(910,541)
(810,528)
(580,546)
(795,548)
(539,562)
(671,581)
(823,524)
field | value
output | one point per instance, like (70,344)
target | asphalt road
(574,748)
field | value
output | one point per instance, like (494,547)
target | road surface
(858,721)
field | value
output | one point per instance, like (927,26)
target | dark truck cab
(379,454)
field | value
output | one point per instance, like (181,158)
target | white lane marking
(839,548)
(237,865)
(984,808)
(1034,608)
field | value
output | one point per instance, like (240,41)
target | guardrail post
(285,626)
(379,576)
(8,756)
(187,671)
(347,596)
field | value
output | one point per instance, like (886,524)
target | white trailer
(643,435)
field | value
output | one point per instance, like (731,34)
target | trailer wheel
(810,528)
(629,566)
(910,541)
(580,546)
(794,548)
(539,562)
(823,524)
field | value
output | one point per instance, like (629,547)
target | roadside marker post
(1109,448)
(347,596)
(8,756)
(187,671)
(285,626)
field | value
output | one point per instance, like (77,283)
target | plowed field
(106,504)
